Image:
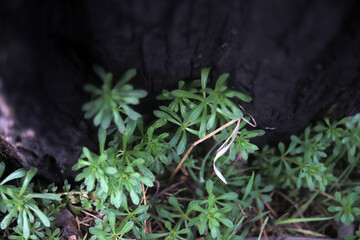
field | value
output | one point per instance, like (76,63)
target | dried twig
(196,143)
(221,150)
(168,188)
(269,207)
(92,215)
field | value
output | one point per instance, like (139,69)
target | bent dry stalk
(221,150)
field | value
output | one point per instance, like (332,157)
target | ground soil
(299,60)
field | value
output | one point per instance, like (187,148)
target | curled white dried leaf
(223,149)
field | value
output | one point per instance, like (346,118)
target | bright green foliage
(347,211)
(19,233)
(109,102)
(115,172)
(180,138)
(204,107)
(110,228)
(171,235)
(19,203)
(314,174)
(52,235)
(127,165)
(310,160)
(326,153)
(156,147)
(174,211)
(242,144)
(259,193)
(126,182)
(212,212)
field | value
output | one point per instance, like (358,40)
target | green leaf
(98,117)
(6,221)
(299,220)
(126,77)
(112,219)
(117,199)
(103,184)
(195,113)
(174,202)
(225,221)
(203,226)
(182,144)
(156,235)
(87,153)
(141,209)
(119,121)
(99,71)
(204,76)
(134,197)
(40,214)
(213,223)
(110,170)
(146,156)
(171,113)
(89,181)
(249,186)
(92,89)
(186,94)
(228,196)
(163,213)
(30,174)
(164,116)
(25,225)
(2,168)
(146,181)
(130,112)
(102,138)
(128,226)
(159,123)
(146,172)
(197,208)
(108,80)
(211,121)
(242,96)
(202,130)
(192,131)
(14,175)
(106,119)
(209,186)
(221,82)
(268,188)
(49,196)
(211,201)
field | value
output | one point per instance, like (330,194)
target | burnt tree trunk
(299,60)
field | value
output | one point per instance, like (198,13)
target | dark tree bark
(299,60)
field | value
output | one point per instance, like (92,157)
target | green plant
(109,229)
(19,203)
(52,234)
(137,150)
(173,234)
(259,193)
(214,212)
(324,158)
(19,233)
(347,211)
(131,187)
(110,102)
